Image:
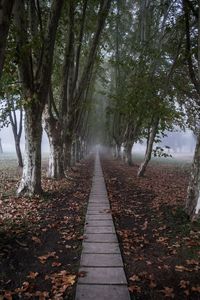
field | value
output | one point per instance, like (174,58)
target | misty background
(180,143)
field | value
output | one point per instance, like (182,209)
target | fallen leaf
(196,289)
(21,244)
(23,288)
(82,274)
(60,282)
(7,295)
(68,247)
(184,284)
(144,227)
(43,295)
(43,258)
(166,267)
(168,292)
(192,262)
(33,275)
(56,264)
(134,289)
(134,278)
(152,284)
(162,240)
(187,292)
(36,240)
(179,268)
(182,269)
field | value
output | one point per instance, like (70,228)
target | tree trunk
(149,149)
(19,153)
(128,157)
(53,130)
(67,152)
(6,7)
(192,206)
(83,149)
(118,149)
(16,129)
(102,15)
(1,149)
(73,153)
(35,90)
(56,170)
(78,150)
(115,152)
(31,177)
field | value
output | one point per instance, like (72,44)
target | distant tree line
(151,80)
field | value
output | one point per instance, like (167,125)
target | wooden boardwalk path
(101,258)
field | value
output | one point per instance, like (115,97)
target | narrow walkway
(101,259)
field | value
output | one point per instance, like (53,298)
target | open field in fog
(179,159)
(9,159)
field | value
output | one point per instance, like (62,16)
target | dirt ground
(160,247)
(40,238)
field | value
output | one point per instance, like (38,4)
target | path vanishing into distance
(101,261)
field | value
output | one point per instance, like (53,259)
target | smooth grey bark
(80,39)
(53,130)
(17,131)
(195,79)
(31,178)
(143,20)
(1,148)
(143,166)
(117,153)
(77,150)
(118,132)
(73,153)
(35,88)
(192,206)
(118,124)
(83,149)
(19,153)
(105,6)
(6,7)
(68,151)
(75,85)
(128,153)
(130,137)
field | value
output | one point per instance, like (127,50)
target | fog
(180,143)
(8,144)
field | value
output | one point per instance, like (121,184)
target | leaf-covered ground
(40,238)
(160,247)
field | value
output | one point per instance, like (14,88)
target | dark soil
(160,247)
(41,238)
